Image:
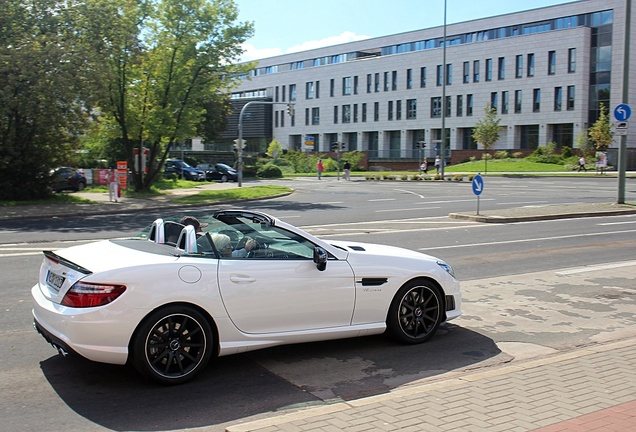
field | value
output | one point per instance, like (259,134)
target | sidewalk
(588,388)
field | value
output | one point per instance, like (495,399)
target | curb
(535,217)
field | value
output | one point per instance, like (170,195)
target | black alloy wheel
(173,345)
(416,312)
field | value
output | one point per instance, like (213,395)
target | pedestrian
(347,170)
(438,163)
(424,166)
(113,185)
(320,168)
(582,164)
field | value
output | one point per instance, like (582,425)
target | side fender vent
(373,281)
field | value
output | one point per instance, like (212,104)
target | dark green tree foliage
(44,92)
(140,72)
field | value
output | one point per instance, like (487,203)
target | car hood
(359,248)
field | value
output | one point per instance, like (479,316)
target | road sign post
(478,188)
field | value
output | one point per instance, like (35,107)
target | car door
(280,289)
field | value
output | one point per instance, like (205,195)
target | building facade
(546,72)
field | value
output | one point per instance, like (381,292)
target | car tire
(223,178)
(80,186)
(172,345)
(415,312)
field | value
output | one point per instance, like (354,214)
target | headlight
(447,267)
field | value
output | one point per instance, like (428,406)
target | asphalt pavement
(584,388)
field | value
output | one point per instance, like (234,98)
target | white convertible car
(175,295)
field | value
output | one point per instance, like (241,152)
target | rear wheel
(224,178)
(416,312)
(172,345)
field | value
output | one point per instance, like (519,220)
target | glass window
(519,67)
(346,113)
(364,112)
(493,100)
(449,74)
(309,90)
(517,101)
(390,111)
(411,109)
(436,107)
(558,96)
(355,84)
(448,106)
(439,75)
(369,83)
(335,114)
(501,68)
(394,80)
(346,86)
(355,113)
(332,87)
(466,72)
(398,110)
(315,116)
(536,100)
(376,111)
(292,92)
(409,79)
(386,81)
(469,105)
(572,60)
(504,102)
(476,71)
(460,106)
(488,69)
(423,76)
(530,66)
(571,97)
(376,82)
(551,62)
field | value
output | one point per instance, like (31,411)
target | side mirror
(320,258)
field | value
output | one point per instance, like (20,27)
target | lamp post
(442,146)
(290,111)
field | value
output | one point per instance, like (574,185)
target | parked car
(219,172)
(170,298)
(182,170)
(67,178)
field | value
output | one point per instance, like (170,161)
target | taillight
(84,294)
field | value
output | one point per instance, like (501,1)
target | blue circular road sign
(478,185)
(622,112)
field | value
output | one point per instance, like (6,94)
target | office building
(546,72)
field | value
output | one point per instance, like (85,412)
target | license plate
(55,281)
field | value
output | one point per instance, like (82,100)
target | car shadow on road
(252,384)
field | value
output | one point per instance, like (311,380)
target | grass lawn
(251,192)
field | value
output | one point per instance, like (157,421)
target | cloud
(328,41)
(253,53)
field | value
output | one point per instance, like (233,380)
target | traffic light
(290,109)
(337,146)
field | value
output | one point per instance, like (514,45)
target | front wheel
(223,178)
(172,345)
(416,312)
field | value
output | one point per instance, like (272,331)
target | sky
(287,26)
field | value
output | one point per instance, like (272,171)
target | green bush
(269,171)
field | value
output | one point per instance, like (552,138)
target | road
(503,268)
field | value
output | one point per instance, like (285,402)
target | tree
(275,149)
(486,131)
(168,62)
(46,92)
(601,133)
(583,143)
